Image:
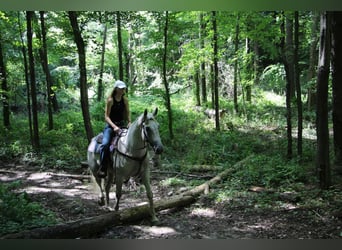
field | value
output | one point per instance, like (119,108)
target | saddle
(113,145)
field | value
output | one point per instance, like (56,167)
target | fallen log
(87,227)
(91,226)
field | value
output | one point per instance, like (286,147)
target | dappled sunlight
(157,231)
(203,212)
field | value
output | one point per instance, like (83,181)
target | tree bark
(118,26)
(35,138)
(323,164)
(298,87)
(91,226)
(203,70)
(83,74)
(311,102)
(236,48)
(103,51)
(165,81)
(217,116)
(336,66)
(45,66)
(4,88)
(287,54)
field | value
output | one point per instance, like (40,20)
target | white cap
(120,84)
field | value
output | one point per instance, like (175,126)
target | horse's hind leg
(101,196)
(108,184)
(118,192)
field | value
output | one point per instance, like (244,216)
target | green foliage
(18,213)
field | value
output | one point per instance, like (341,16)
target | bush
(18,213)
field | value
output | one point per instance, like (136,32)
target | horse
(129,159)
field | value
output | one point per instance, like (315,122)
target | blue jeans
(108,134)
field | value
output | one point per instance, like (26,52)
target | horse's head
(150,130)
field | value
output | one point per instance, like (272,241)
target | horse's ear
(155,112)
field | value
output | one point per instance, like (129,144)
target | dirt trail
(73,197)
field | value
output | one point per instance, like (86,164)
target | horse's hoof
(155,222)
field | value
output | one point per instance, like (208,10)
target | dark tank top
(117,112)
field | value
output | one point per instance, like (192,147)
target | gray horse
(130,158)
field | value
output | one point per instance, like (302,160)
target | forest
(250,104)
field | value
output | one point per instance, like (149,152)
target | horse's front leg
(108,183)
(146,182)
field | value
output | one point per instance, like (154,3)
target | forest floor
(73,197)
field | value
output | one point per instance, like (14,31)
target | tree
(287,51)
(298,87)
(4,88)
(118,27)
(323,164)
(215,41)
(35,139)
(165,81)
(83,73)
(336,66)
(236,49)
(203,67)
(45,66)
(100,81)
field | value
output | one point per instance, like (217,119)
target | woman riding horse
(116,114)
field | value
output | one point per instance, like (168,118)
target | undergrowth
(259,130)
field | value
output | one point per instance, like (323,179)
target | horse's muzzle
(158,149)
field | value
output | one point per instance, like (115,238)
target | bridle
(146,141)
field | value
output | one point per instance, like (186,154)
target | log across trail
(87,227)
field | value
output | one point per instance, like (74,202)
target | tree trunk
(118,27)
(35,141)
(312,72)
(217,116)
(83,74)
(203,70)
(287,51)
(236,48)
(165,81)
(298,87)
(336,66)
(100,82)
(323,164)
(45,66)
(197,86)
(23,50)
(4,88)
(87,227)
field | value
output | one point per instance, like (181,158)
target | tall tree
(336,66)
(35,139)
(83,73)
(120,48)
(4,87)
(26,73)
(313,58)
(203,67)
(103,51)
(287,56)
(165,81)
(298,87)
(215,42)
(45,66)
(323,164)
(236,50)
